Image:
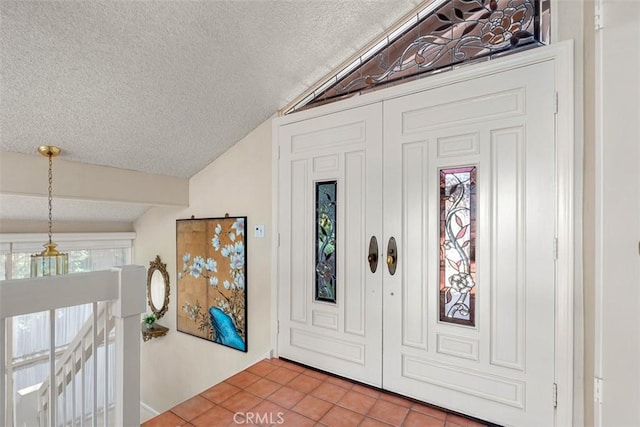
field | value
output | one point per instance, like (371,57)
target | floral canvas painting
(211,264)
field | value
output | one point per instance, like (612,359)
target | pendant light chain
(50,194)
(49,262)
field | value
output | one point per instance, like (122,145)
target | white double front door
(462,178)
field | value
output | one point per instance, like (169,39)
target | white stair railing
(71,364)
(118,298)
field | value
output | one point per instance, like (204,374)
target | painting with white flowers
(212,289)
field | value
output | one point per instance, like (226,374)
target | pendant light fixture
(49,262)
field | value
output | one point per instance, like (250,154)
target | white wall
(568,23)
(617,269)
(178,366)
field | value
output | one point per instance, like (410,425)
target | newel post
(126,312)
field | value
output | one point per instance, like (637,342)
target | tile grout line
(292,372)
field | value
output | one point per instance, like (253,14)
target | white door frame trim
(569,197)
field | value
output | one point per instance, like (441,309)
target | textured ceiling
(166,86)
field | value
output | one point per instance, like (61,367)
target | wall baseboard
(267,355)
(149,409)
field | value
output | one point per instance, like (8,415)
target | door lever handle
(392,256)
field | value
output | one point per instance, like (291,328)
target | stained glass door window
(457,245)
(326,241)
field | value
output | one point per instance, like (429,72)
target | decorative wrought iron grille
(444,34)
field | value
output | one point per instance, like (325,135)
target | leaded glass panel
(326,241)
(457,245)
(442,35)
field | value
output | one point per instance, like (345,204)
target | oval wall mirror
(158,288)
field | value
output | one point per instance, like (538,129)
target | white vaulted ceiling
(163,87)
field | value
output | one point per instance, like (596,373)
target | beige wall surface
(617,266)
(178,366)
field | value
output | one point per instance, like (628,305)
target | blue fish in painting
(225,330)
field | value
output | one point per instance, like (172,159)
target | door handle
(373,254)
(392,256)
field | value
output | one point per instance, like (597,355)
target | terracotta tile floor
(275,392)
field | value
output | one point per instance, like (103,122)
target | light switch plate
(259,230)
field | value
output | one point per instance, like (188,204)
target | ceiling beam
(26,175)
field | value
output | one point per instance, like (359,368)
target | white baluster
(94,348)
(53,386)
(83,406)
(74,372)
(3,398)
(105,334)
